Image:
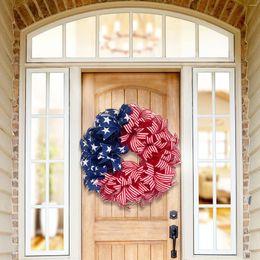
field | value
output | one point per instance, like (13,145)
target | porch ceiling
(27,12)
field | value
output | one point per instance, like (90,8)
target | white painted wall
(6,76)
(254,126)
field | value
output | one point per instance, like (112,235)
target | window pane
(222,92)
(212,43)
(56,99)
(204,93)
(56,183)
(38,93)
(48,44)
(147,35)
(205,183)
(81,38)
(114,35)
(37,227)
(205,138)
(180,38)
(222,138)
(38,171)
(223,183)
(56,138)
(38,139)
(45,167)
(206,228)
(212,163)
(56,229)
(223,228)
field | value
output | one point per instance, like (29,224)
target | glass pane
(205,138)
(223,183)
(205,183)
(56,229)
(222,92)
(38,139)
(210,39)
(222,138)
(38,98)
(223,228)
(56,183)
(37,227)
(180,38)
(147,35)
(37,183)
(56,138)
(114,35)
(204,93)
(206,228)
(81,38)
(48,44)
(56,101)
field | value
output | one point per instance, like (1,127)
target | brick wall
(232,12)
(245,141)
(15,125)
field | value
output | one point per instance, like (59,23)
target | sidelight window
(47,173)
(214,162)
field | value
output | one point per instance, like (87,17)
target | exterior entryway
(137,233)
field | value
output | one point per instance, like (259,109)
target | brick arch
(28,12)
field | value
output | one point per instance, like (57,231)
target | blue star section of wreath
(101,147)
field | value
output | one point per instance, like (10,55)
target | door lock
(173,234)
(173,214)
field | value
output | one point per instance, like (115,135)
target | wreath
(115,132)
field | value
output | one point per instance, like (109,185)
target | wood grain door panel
(110,232)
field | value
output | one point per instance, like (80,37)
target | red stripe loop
(147,135)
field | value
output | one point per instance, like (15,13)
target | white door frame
(186,137)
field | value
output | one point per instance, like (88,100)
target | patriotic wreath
(115,132)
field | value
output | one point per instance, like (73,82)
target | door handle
(173,234)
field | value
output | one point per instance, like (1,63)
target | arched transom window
(136,34)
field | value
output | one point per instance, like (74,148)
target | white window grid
(214,161)
(47,161)
(131,11)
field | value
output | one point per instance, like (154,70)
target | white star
(107,120)
(105,130)
(85,162)
(109,149)
(116,112)
(112,159)
(126,117)
(94,147)
(84,143)
(100,155)
(122,149)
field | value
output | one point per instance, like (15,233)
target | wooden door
(137,233)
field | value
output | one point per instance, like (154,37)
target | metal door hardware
(173,234)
